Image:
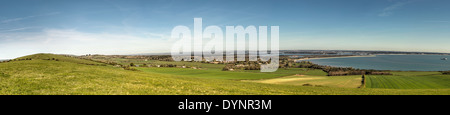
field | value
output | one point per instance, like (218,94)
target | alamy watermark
(256,45)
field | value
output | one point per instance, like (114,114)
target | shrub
(379,73)
(445,72)
(130,68)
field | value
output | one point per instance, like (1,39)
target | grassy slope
(409,80)
(62,77)
(60,58)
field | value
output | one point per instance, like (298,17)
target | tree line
(341,71)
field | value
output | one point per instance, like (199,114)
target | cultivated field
(409,80)
(316,81)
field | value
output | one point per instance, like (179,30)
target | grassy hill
(70,75)
(62,58)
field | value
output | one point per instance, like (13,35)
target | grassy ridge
(59,58)
(69,77)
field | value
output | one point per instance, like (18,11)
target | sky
(132,27)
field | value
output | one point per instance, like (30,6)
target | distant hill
(64,58)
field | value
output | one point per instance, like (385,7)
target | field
(409,80)
(210,74)
(142,61)
(68,76)
(317,81)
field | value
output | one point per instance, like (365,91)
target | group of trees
(149,57)
(15,60)
(160,57)
(242,66)
(153,65)
(341,71)
(51,59)
(253,67)
(165,65)
(445,72)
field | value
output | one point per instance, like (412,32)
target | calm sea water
(390,62)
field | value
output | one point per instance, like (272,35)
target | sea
(390,62)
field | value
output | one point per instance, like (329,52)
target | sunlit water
(390,62)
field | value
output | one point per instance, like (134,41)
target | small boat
(443,58)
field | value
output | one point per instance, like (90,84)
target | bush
(130,68)
(379,73)
(445,72)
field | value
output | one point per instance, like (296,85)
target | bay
(390,62)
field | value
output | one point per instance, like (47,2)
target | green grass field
(210,74)
(409,80)
(317,81)
(293,71)
(72,76)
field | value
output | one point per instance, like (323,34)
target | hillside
(70,75)
(63,58)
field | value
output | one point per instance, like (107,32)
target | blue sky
(129,26)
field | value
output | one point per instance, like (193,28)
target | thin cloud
(28,17)
(17,29)
(388,11)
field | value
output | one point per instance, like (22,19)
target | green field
(409,80)
(69,76)
(233,75)
(317,81)
(210,74)
(293,71)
